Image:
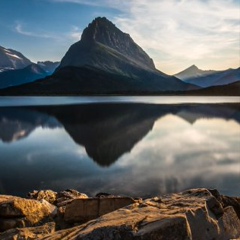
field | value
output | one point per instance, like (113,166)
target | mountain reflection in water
(109,132)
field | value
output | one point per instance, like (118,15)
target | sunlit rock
(195,214)
(20,212)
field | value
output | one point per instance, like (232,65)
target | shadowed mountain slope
(20,76)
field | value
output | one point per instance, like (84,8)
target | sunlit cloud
(175,33)
(179,33)
(185,32)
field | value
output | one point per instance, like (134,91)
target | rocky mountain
(11,59)
(20,76)
(104,61)
(106,47)
(48,66)
(209,78)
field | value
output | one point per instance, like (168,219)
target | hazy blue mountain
(193,72)
(20,76)
(216,79)
(48,66)
(11,59)
(209,78)
(104,61)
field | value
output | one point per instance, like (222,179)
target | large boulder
(21,212)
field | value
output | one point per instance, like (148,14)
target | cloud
(184,31)
(75,33)
(20,29)
(118,4)
(72,35)
(175,33)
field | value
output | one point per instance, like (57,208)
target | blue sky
(175,33)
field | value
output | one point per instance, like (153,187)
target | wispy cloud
(97,3)
(175,33)
(180,32)
(19,28)
(184,31)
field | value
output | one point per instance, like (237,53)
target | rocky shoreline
(199,214)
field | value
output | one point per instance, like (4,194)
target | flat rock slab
(82,210)
(194,214)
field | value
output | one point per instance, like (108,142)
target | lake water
(139,146)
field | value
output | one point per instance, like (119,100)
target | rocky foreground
(194,214)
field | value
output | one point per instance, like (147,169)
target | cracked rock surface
(199,214)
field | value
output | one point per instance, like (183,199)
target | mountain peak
(193,72)
(11,59)
(193,67)
(104,46)
(98,29)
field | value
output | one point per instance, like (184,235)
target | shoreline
(193,214)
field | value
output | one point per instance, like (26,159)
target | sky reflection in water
(140,150)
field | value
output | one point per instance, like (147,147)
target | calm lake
(139,146)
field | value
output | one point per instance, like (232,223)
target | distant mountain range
(208,78)
(108,61)
(48,66)
(193,72)
(16,69)
(21,76)
(11,60)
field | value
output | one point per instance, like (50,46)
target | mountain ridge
(21,76)
(108,61)
(209,78)
(192,72)
(104,61)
